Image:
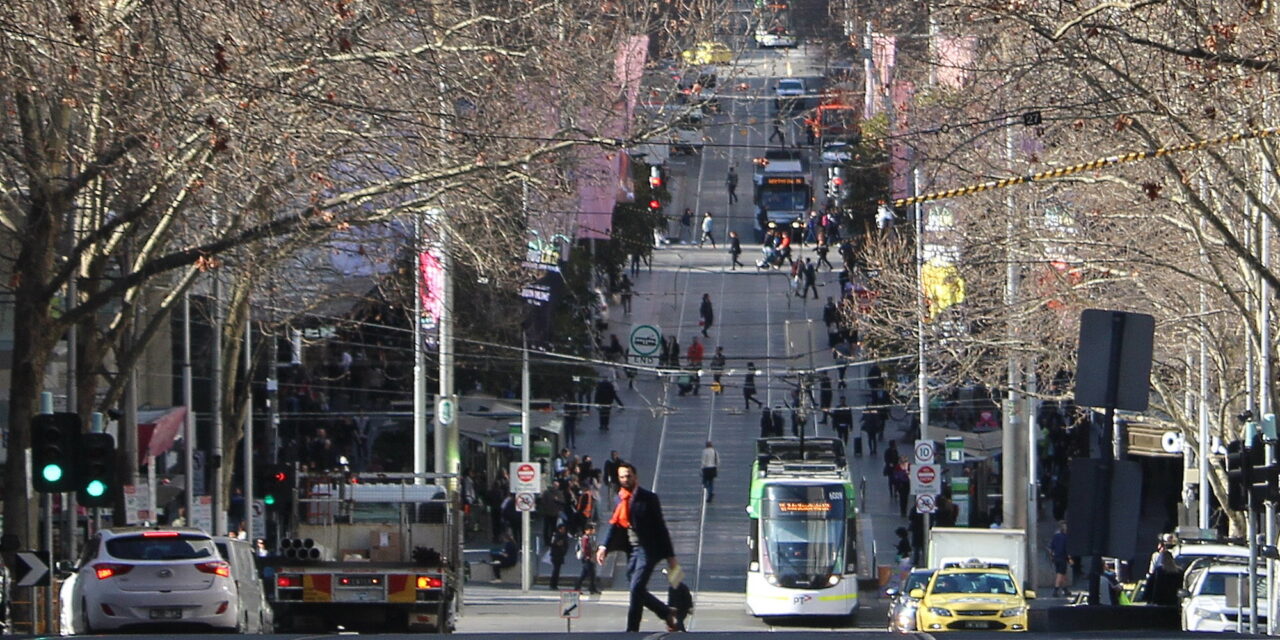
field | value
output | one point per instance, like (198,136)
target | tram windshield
(804,530)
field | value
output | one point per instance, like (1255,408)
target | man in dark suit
(638,528)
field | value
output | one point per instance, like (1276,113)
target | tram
(803,552)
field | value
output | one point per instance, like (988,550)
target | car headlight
(1015,611)
(1208,615)
(939,611)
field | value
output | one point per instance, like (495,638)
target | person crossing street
(708,225)
(638,528)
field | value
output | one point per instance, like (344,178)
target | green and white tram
(803,530)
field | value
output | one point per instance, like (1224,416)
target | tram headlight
(833,580)
(771,579)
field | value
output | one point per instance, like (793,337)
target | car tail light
(160,534)
(217,568)
(106,570)
(428,582)
(222,608)
(288,582)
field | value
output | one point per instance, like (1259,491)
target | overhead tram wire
(397,115)
(1097,163)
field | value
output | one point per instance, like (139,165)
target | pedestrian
(708,225)
(842,420)
(635,264)
(1058,554)
(823,249)
(710,465)
(707,312)
(638,528)
(735,250)
(902,479)
(606,396)
(558,548)
(777,132)
(611,470)
(766,422)
(695,364)
(504,558)
(903,548)
(572,410)
(749,387)
(586,553)
(624,292)
(717,368)
(1163,576)
(830,314)
(871,426)
(686,226)
(824,396)
(810,279)
(890,460)
(731,184)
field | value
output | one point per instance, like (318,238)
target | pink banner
(431,276)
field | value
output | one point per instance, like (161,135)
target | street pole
(247,441)
(1012,464)
(69,534)
(215,457)
(526,565)
(46,407)
(922,376)
(1265,379)
(189,425)
(419,360)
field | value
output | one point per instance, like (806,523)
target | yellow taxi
(972,595)
(707,53)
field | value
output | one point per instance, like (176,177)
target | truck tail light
(217,568)
(288,582)
(429,582)
(106,570)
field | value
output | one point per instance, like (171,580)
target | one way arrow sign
(32,569)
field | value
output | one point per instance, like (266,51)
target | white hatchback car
(790,88)
(138,576)
(1204,603)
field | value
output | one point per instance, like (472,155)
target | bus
(803,531)
(782,186)
(773,26)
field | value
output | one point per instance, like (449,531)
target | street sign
(925,479)
(955,449)
(925,504)
(526,477)
(446,411)
(524,502)
(259,520)
(201,516)
(31,569)
(135,504)
(569,601)
(924,452)
(645,340)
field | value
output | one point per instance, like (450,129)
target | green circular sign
(646,339)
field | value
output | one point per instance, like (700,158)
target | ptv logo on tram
(801,599)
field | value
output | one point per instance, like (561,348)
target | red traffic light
(279,476)
(655,177)
(655,205)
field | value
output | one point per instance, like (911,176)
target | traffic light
(97,468)
(276,484)
(655,177)
(55,437)
(1239,475)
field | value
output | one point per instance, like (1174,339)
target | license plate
(169,613)
(975,625)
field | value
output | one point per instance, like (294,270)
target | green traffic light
(95,488)
(51,472)
(268,499)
